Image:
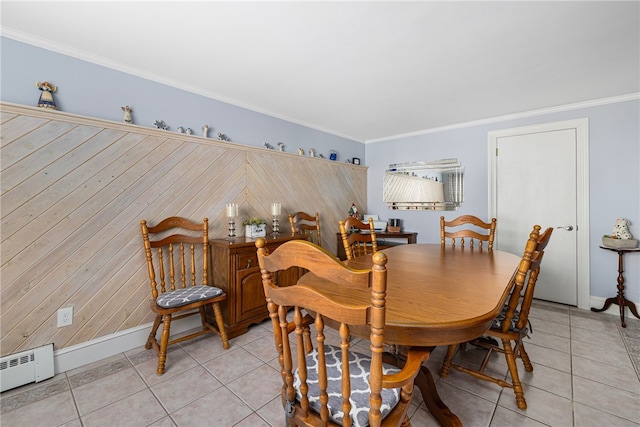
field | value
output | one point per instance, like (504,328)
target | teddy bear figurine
(621,229)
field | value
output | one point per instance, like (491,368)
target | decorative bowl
(619,243)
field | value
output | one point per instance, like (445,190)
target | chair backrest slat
(358,238)
(462,228)
(183,257)
(308,225)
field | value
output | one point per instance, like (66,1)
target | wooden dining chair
(303,223)
(468,227)
(358,238)
(322,382)
(178,266)
(511,326)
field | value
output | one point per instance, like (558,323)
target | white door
(536,181)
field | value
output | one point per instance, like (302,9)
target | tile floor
(586,373)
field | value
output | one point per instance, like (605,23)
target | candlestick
(232,227)
(275,225)
(232,213)
(276,209)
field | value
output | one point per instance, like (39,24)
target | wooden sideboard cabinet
(410,237)
(236,271)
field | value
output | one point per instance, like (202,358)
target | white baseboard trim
(598,302)
(100,348)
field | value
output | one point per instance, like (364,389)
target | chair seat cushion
(185,296)
(359,367)
(497,322)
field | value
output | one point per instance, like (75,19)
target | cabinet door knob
(249,263)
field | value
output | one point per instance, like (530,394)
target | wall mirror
(436,185)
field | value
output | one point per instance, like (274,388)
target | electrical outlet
(65,316)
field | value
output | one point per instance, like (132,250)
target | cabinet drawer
(246,260)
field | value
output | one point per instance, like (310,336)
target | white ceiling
(363,70)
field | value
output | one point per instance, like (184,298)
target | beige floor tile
(232,364)
(549,379)
(594,370)
(555,342)
(561,318)
(204,348)
(586,416)
(600,338)
(614,355)
(179,391)
(163,422)
(606,398)
(178,361)
(52,411)
(504,417)
(544,326)
(273,412)
(603,325)
(421,417)
(219,408)
(140,409)
(255,332)
(253,420)
(106,390)
(542,406)
(263,348)
(257,387)
(549,357)
(469,408)
(485,389)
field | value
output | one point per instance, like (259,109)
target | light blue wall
(614,163)
(96,91)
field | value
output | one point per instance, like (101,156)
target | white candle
(276,209)
(232,210)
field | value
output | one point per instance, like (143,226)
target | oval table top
(436,295)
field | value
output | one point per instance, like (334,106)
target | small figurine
(268,146)
(321,155)
(180,129)
(300,152)
(189,131)
(281,146)
(223,137)
(312,152)
(333,155)
(353,211)
(160,124)
(127,114)
(205,131)
(46,97)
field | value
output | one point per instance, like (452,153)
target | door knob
(567,227)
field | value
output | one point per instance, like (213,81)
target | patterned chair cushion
(497,322)
(184,296)
(359,367)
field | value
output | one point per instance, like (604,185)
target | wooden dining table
(436,295)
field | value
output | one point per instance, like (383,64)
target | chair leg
(162,354)
(154,330)
(525,358)
(513,370)
(446,364)
(220,322)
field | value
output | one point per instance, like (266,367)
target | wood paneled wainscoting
(74,190)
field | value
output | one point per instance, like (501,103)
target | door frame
(581,127)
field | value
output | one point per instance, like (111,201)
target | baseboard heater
(28,366)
